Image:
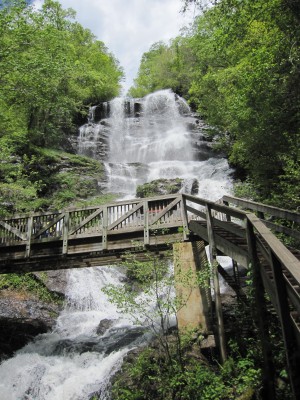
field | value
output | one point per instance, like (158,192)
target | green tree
(51,68)
(173,366)
(165,66)
(239,67)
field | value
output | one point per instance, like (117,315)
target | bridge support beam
(195,301)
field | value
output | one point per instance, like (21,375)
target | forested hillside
(51,70)
(239,67)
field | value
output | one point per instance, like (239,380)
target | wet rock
(16,333)
(55,281)
(159,187)
(21,320)
(101,111)
(195,187)
(104,325)
(118,339)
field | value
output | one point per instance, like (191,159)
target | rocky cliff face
(23,315)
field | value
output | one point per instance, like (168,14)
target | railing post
(260,315)
(215,275)
(146,223)
(283,310)
(184,217)
(66,232)
(228,217)
(236,276)
(104,228)
(28,238)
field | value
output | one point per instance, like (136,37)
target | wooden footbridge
(102,235)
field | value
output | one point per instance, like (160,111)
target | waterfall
(139,140)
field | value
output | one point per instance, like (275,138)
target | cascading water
(151,138)
(139,141)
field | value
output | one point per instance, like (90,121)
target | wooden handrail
(287,259)
(87,235)
(263,208)
(216,206)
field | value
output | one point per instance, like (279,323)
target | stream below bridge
(139,140)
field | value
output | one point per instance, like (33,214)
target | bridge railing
(102,222)
(274,266)
(25,240)
(274,218)
(255,230)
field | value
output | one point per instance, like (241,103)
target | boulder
(55,281)
(159,187)
(104,325)
(21,319)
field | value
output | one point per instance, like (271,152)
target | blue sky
(129,27)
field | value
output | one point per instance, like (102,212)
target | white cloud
(129,27)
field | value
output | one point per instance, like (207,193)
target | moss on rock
(159,187)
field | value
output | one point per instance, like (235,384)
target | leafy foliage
(239,66)
(173,366)
(44,178)
(165,66)
(150,377)
(28,283)
(50,68)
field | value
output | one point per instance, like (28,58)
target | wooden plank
(199,213)
(125,216)
(165,210)
(231,227)
(260,312)
(289,339)
(85,221)
(71,209)
(184,218)
(252,205)
(282,229)
(146,223)
(65,233)
(104,228)
(232,282)
(29,233)
(217,207)
(48,226)
(291,263)
(13,230)
(216,283)
(224,246)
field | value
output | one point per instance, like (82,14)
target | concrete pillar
(195,308)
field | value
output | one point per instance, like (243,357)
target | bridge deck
(102,235)
(90,236)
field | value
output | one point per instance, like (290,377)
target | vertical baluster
(130,219)
(214,266)
(139,216)
(121,211)
(149,211)
(169,215)
(260,312)
(18,228)
(184,217)
(287,328)
(28,238)
(65,232)
(146,223)
(112,217)
(105,222)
